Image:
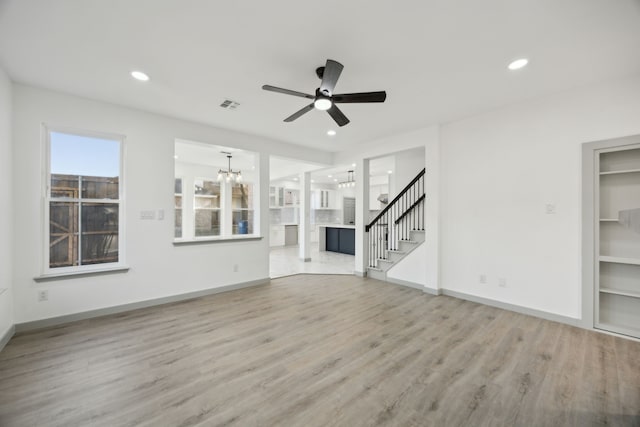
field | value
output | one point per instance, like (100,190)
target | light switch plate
(147,214)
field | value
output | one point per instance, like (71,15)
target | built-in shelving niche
(617,290)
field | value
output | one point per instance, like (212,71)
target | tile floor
(284,261)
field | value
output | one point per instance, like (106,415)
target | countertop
(337,225)
(317,225)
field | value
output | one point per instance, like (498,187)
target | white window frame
(220,210)
(46,200)
(251,209)
(182,207)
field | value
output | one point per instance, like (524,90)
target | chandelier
(229,175)
(350,182)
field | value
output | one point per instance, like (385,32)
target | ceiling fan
(324,98)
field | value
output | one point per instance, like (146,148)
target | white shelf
(617,305)
(621,171)
(623,293)
(632,332)
(620,260)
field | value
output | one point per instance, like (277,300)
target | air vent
(229,104)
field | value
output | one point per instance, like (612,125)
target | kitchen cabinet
(281,197)
(291,197)
(324,199)
(333,240)
(290,235)
(341,240)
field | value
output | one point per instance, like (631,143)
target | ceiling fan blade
(330,76)
(287,91)
(360,97)
(299,113)
(338,116)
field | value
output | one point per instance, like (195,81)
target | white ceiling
(212,155)
(438,60)
(377,167)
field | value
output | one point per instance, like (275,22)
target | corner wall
(158,269)
(500,170)
(6,212)
(425,141)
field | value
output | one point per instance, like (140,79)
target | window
(206,208)
(84,205)
(242,208)
(178,207)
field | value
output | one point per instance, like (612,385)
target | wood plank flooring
(319,351)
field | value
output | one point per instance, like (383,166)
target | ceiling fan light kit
(324,99)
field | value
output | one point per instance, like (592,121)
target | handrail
(405,213)
(420,174)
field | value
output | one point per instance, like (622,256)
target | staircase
(397,230)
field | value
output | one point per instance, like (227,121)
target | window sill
(83,273)
(184,242)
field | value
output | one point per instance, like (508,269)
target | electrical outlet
(43,295)
(483,278)
(550,208)
(502,282)
(235,268)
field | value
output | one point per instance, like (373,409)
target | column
(362,216)
(304,237)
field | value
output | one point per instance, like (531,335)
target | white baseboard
(37,324)
(414,285)
(4,339)
(516,308)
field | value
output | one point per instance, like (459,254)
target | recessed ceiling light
(139,75)
(335,179)
(175,156)
(389,172)
(329,176)
(518,63)
(313,180)
(331,132)
(295,179)
(353,165)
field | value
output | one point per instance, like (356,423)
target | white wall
(426,142)
(158,268)
(407,165)
(411,268)
(500,169)
(6,213)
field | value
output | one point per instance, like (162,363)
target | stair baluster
(405,213)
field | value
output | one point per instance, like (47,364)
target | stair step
(385,260)
(376,273)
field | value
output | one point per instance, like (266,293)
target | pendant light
(229,175)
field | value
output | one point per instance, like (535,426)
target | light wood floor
(319,351)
